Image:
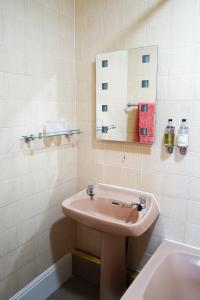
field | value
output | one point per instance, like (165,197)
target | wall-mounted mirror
(126,86)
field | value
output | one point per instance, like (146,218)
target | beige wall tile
(131,178)
(8,240)
(132,157)
(9,286)
(112,175)
(194,139)
(27,273)
(173,207)
(194,188)
(195,121)
(26,231)
(96,8)
(113,155)
(176,186)
(152,181)
(193,212)
(192,234)
(80,8)
(67,7)
(194,164)
(170,229)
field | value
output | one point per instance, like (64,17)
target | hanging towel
(146,121)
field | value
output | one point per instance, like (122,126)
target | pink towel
(146,121)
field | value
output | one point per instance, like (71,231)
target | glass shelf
(31,137)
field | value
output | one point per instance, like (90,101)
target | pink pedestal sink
(110,213)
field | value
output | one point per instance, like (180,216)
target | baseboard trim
(48,282)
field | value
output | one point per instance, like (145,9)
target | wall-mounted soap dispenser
(183,137)
(169,136)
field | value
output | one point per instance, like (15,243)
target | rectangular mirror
(126,86)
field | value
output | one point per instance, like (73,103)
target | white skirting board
(48,282)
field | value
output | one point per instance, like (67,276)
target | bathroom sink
(109,210)
(172,273)
(116,212)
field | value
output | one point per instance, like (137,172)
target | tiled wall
(108,25)
(37,83)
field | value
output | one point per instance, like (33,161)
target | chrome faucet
(139,205)
(90,191)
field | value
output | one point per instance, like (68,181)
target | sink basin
(111,213)
(107,211)
(172,273)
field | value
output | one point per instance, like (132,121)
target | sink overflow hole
(115,203)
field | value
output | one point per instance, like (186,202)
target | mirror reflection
(126,95)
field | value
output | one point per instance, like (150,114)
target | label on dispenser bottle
(183,140)
(169,139)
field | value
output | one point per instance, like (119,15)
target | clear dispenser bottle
(183,137)
(169,136)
